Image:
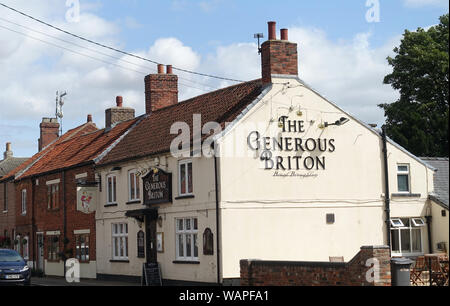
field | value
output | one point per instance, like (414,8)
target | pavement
(60,281)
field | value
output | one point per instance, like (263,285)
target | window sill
(190,196)
(5,211)
(188,262)
(133,202)
(111,205)
(120,260)
(406,195)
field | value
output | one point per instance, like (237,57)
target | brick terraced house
(7,197)
(55,204)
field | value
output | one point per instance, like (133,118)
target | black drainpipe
(386,188)
(217,214)
(430,244)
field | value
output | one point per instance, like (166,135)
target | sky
(342,48)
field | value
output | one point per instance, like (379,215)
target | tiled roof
(152,135)
(77,149)
(10,164)
(440,179)
(85,128)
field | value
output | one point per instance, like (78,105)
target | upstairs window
(403,178)
(24,202)
(185,178)
(53,196)
(111,189)
(133,186)
(5,197)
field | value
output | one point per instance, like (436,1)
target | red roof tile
(75,148)
(152,135)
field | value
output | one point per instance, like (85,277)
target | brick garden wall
(289,273)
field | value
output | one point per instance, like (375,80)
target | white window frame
(182,234)
(24,202)
(185,162)
(410,228)
(418,222)
(114,189)
(397,222)
(407,173)
(121,238)
(137,188)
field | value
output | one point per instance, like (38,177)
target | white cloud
(348,73)
(422,3)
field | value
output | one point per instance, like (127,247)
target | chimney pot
(272,30)
(284,34)
(119,101)
(160,69)
(8,152)
(89,118)
(169,69)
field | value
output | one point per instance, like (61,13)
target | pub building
(295,178)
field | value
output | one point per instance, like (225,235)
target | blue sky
(342,55)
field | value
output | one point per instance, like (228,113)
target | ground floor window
(120,241)
(406,235)
(82,247)
(187,239)
(53,248)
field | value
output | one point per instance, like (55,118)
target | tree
(418,121)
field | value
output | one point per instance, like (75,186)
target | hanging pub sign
(157,187)
(87,198)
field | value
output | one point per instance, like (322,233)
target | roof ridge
(205,94)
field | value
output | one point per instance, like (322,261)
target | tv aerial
(59,112)
(259,36)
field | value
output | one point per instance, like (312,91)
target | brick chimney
(161,90)
(8,153)
(278,57)
(49,132)
(117,114)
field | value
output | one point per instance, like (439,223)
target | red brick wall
(53,219)
(8,217)
(352,273)
(161,90)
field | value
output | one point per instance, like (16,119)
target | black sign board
(157,187)
(151,275)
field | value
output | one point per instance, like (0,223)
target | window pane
(180,224)
(406,242)
(402,181)
(395,240)
(416,240)
(132,186)
(195,246)
(114,188)
(190,178)
(188,246)
(180,245)
(138,192)
(183,179)
(188,224)
(403,168)
(195,224)
(109,189)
